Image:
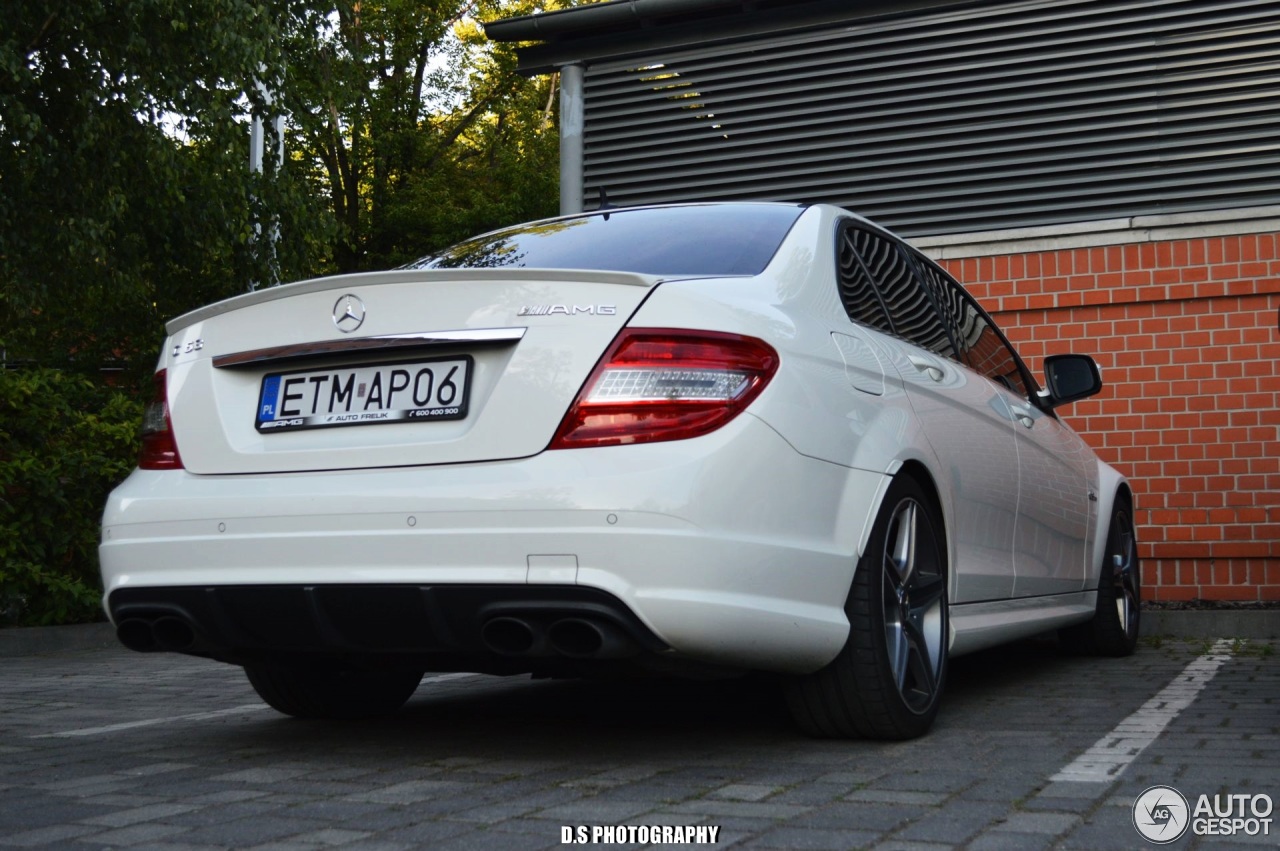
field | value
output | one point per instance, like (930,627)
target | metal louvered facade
(960,119)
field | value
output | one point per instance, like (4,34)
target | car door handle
(928,367)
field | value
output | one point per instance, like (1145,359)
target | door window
(982,347)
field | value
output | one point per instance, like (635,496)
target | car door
(1054,512)
(968,426)
(1052,523)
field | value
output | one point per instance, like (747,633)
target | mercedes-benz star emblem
(348,313)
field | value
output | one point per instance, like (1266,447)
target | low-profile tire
(887,681)
(322,693)
(1113,630)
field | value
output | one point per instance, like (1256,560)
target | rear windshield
(719,239)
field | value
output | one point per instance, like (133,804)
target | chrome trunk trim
(386,342)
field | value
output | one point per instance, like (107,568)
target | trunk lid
(256,383)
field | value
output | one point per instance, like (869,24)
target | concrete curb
(37,640)
(1212,623)
(1175,623)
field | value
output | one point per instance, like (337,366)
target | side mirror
(1071,377)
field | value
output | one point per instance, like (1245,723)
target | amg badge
(568,310)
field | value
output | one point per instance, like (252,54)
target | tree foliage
(124,192)
(420,129)
(65,442)
(126,199)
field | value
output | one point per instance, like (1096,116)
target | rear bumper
(492,628)
(730,549)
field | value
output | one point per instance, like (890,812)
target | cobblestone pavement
(111,749)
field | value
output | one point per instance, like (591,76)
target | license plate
(365,395)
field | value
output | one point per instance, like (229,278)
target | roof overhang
(623,28)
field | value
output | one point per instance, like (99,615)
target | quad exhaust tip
(509,636)
(149,635)
(136,634)
(577,638)
(572,637)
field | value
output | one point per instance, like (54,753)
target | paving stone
(493,813)
(859,816)
(176,846)
(1010,842)
(157,768)
(486,840)
(123,818)
(136,834)
(49,835)
(593,811)
(954,823)
(333,836)
(210,815)
(265,775)
(411,792)
(246,832)
(818,839)
(488,762)
(894,796)
(808,795)
(745,792)
(713,808)
(29,812)
(228,796)
(1052,824)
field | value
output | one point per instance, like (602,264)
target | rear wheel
(1113,630)
(323,693)
(888,680)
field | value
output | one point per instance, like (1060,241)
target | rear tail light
(159,448)
(663,384)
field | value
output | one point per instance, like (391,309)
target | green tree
(124,192)
(65,441)
(420,129)
(125,199)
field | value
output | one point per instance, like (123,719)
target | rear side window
(857,291)
(713,240)
(902,296)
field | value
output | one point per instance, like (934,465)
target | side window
(982,346)
(857,292)
(902,293)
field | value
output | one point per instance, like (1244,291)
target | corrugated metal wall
(1005,115)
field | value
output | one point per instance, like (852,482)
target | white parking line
(1111,754)
(198,716)
(129,725)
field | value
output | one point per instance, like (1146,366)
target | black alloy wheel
(887,681)
(1113,630)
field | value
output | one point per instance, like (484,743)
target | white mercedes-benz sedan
(696,440)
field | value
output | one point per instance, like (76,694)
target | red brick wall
(1185,332)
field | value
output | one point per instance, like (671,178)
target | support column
(571,126)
